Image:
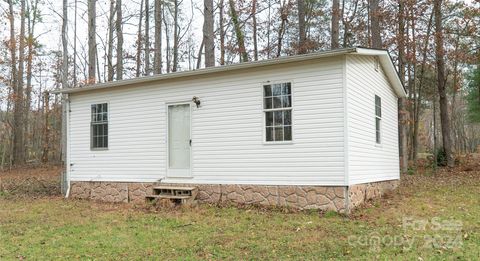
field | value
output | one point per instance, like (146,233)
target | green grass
(53,228)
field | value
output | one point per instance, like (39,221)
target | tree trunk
(92,45)
(347,22)
(302,36)
(441,80)
(335,24)
(139,42)
(402,115)
(111,25)
(18,148)
(32,20)
(254,30)
(19,112)
(208,35)
(375,24)
(281,30)
(64,80)
(119,41)
(175,36)
(420,87)
(75,47)
(238,32)
(147,37)
(222,32)
(157,55)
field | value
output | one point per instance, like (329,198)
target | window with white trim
(277,107)
(99,126)
(378,118)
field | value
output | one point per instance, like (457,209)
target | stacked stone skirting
(337,198)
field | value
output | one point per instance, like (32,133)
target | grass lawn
(426,218)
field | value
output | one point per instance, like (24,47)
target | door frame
(168,172)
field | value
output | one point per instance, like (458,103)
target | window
(378,118)
(277,106)
(99,126)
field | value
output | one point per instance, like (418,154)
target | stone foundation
(360,193)
(336,198)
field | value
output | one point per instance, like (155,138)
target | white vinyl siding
(369,161)
(227,129)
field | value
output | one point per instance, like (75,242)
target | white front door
(179,140)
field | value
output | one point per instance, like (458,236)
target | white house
(309,131)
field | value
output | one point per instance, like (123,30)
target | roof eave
(204,71)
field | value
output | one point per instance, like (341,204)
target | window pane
(286,88)
(277,90)
(105,129)
(99,130)
(105,116)
(267,90)
(267,103)
(377,130)
(269,118)
(278,133)
(378,106)
(287,117)
(286,101)
(278,118)
(105,142)
(97,142)
(269,134)
(277,102)
(287,132)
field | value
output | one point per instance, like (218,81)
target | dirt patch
(30,182)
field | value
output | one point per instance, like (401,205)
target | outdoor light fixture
(196,100)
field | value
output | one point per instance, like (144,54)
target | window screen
(378,118)
(277,105)
(99,126)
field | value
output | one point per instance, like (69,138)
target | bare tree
(208,36)
(281,31)
(335,24)
(441,82)
(238,32)
(222,31)
(139,42)
(147,37)
(157,55)
(347,22)
(376,40)
(92,43)
(75,45)
(402,110)
(32,18)
(176,32)
(302,35)
(111,25)
(119,40)
(64,78)
(254,30)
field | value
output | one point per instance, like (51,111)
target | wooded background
(435,45)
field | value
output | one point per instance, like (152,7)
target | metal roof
(383,55)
